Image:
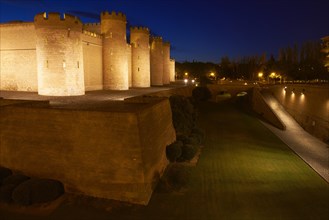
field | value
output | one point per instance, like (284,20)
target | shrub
(176,176)
(37,191)
(174,151)
(9,184)
(188,152)
(183,114)
(4,173)
(201,93)
(199,132)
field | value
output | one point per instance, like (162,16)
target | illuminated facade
(58,55)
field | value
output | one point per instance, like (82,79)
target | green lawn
(245,172)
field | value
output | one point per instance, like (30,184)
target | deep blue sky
(202,30)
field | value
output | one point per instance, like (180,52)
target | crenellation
(68,53)
(113,15)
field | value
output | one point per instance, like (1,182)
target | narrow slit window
(78,64)
(68,32)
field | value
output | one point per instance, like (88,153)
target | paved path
(313,151)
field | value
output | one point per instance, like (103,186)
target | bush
(183,114)
(4,173)
(9,184)
(174,151)
(188,152)
(201,93)
(37,191)
(198,132)
(176,176)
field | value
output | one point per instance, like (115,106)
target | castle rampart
(115,64)
(156,61)
(140,38)
(166,63)
(18,65)
(172,70)
(59,55)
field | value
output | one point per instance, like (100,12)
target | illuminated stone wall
(18,67)
(92,27)
(59,55)
(308,104)
(172,70)
(114,155)
(156,61)
(115,64)
(92,61)
(129,59)
(139,39)
(166,63)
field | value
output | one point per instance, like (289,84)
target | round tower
(172,70)
(166,63)
(156,61)
(140,41)
(59,55)
(115,62)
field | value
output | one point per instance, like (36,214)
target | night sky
(201,30)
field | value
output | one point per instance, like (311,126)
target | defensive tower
(59,54)
(166,63)
(156,61)
(172,70)
(115,62)
(140,41)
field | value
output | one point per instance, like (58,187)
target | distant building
(58,55)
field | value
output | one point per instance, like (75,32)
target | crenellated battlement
(140,30)
(54,19)
(92,34)
(157,39)
(166,44)
(113,15)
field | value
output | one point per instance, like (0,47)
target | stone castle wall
(156,61)
(57,55)
(114,155)
(166,63)
(92,61)
(115,64)
(139,39)
(18,65)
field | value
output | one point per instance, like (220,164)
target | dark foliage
(188,152)
(201,93)
(4,173)
(176,176)
(198,132)
(183,114)
(36,191)
(174,151)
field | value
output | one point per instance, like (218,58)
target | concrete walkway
(313,151)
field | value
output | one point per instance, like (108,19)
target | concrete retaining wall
(310,109)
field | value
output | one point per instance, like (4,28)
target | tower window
(68,32)
(47,64)
(138,69)
(78,64)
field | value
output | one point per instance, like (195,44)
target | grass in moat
(244,172)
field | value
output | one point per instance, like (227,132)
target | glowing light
(260,74)
(186,74)
(212,74)
(193,81)
(272,75)
(185,81)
